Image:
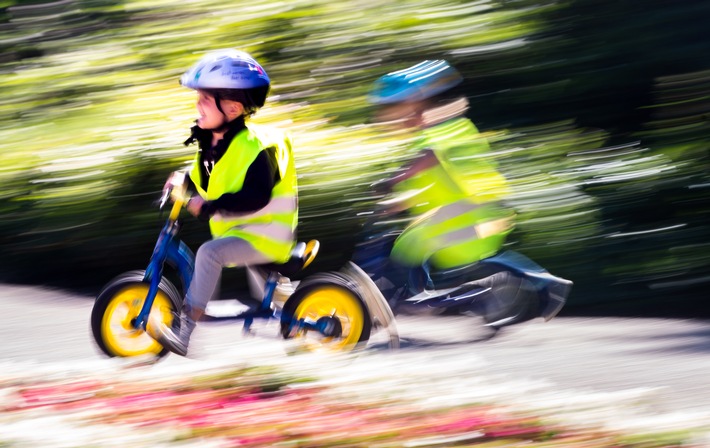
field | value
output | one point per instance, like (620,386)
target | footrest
(234,310)
(255,314)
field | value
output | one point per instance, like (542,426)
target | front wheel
(324,314)
(116,309)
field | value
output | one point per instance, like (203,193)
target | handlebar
(176,190)
(164,197)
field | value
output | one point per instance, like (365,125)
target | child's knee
(206,255)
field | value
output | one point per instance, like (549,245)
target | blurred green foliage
(595,110)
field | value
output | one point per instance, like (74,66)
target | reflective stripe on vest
(284,205)
(450,240)
(271,229)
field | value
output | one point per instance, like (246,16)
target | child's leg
(211,257)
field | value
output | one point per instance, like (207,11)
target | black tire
(327,296)
(120,301)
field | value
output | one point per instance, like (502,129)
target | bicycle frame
(331,311)
(168,249)
(373,252)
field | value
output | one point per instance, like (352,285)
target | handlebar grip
(178,193)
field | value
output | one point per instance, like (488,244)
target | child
(458,204)
(244,179)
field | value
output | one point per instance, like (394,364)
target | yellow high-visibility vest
(272,229)
(460,221)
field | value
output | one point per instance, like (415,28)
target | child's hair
(252,99)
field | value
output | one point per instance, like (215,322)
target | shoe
(174,339)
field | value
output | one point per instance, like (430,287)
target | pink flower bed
(247,408)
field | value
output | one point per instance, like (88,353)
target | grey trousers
(212,256)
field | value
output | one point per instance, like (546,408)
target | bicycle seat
(301,256)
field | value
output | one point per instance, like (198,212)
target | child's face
(209,116)
(400,115)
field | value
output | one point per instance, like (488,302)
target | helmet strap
(225,119)
(218,103)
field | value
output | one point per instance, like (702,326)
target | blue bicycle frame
(168,249)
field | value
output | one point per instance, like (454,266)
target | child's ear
(234,108)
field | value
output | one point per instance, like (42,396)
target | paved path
(591,355)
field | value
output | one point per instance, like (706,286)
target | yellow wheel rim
(336,302)
(118,333)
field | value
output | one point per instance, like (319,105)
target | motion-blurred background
(597,112)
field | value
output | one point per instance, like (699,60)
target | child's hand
(194,205)
(176,179)
(175,184)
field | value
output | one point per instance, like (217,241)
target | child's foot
(175,340)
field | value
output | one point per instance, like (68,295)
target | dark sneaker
(176,340)
(555,298)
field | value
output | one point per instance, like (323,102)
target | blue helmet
(226,69)
(421,81)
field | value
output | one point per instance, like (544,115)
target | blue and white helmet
(421,81)
(225,69)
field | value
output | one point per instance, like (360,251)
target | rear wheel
(336,316)
(115,311)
